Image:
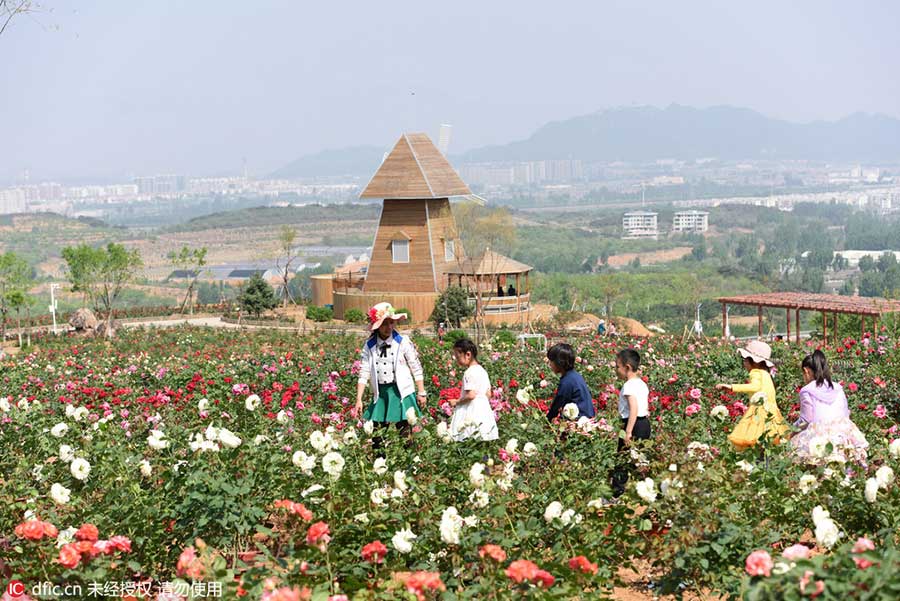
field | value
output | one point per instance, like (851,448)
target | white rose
(312,490)
(80,468)
(60,494)
(884,475)
(479,498)
(23,404)
(807,483)
(5,407)
(259,439)
(451,526)
(746,466)
(819,514)
(281,417)
(523,395)
(202,404)
(529,449)
(212,433)
(380,466)
(566,517)
(512,445)
(402,540)
(229,438)
(400,481)
(570,411)
(304,462)
(157,440)
(59,430)
(818,446)
(252,402)
(378,496)
(350,436)
(894,447)
(369,427)
(66,453)
(80,413)
(146,469)
(362,518)
(411,418)
(476,475)
(333,464)
(646,490)
(827,533)
(471,521)
(871,489)
(65,537)
(553,511)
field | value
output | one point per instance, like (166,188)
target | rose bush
(237,457)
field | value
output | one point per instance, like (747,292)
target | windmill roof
(415,169)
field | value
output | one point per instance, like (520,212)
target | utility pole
(53,287)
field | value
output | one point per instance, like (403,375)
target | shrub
(504,338)
(409,315)
(354,316)
(319,313)
(453,335)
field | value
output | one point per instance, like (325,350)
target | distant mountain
(681,132)
(356,160)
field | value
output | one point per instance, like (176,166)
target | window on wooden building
(400,251)
(449,250)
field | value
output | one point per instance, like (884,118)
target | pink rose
(695,394)
(692,409)
(880,412)
(861,546)
(759,563)
(796,552)
(804,582)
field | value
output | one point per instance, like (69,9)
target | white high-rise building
(691,222)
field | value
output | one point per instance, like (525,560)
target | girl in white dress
(472,413)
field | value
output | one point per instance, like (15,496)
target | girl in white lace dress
(472,413)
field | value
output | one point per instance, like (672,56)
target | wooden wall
(420,305)
(321,289)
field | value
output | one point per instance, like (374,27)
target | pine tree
(257,296)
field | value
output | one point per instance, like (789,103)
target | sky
(112,89)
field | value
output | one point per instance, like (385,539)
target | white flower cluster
(570,411)
(719,412)
(443,432)
(646,490)
(884,477)
(807,483)
(212,438)
(251,403)
(452,524)
(555,511)
(76,413)
(157,440)
(323,442)
(403,540)
(333,464)
(827,532)
(304,462)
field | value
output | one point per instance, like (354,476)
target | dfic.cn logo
(15,588)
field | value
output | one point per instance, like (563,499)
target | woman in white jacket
(390,366)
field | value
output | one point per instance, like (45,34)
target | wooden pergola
(827,304)
(484,272)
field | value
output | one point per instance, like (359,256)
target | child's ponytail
(818,365)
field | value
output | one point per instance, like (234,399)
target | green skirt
(390,406)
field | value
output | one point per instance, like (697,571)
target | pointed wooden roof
(490,263)
(415,168)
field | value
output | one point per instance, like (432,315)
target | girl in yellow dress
(762,415)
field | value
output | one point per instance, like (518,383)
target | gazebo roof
(490,263)
(828,303)
(415,169)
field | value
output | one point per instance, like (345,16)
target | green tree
(452,307)
(257,296)
(287,238)
(15,279)
(866,263)
(192,261)
(102,274)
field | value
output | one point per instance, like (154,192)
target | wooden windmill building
(417,243)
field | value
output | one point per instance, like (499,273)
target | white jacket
(407,367)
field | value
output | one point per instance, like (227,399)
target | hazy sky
(122,87)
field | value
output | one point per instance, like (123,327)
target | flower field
(233,460)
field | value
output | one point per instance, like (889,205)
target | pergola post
(835,330)
(788,311)
(798,324)
(518,293)
(862,325)
(724,318)
(759,320)
(825,327)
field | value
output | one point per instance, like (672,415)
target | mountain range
(647,133)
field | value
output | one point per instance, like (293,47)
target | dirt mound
(624,325)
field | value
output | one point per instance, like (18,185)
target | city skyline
(109,90)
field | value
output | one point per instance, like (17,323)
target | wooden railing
(502,304)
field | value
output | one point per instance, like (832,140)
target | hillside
(276,216)
(356,161)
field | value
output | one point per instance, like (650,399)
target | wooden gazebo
(487,274)
(827,304)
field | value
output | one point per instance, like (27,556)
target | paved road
(213,322)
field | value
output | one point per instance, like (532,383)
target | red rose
(581,564)
(317,535)
(495,552)
(374,552)
(87,532)
(69,556)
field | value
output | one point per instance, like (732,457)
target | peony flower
(476,475)
(495,552)
(553,511)
(59,430)
(333,464)
(443,432)
(229,438)
(80,468)
(530,449)
(567,516)
(796,552)
(378,496)
(523,395)
(880,412)
(318,536)
(884,475)
(66,453)
(807,483)
(403,540)
(5,407)
(759,563)
(872,487)
(646,490)
(304,462)
(695,393)
(252,402)
(400,481)
(380,466)
(862,545)
(60,494)
(570,411)
(157,440)
(451,526)
(827,533)
(374,552)
(719,412)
